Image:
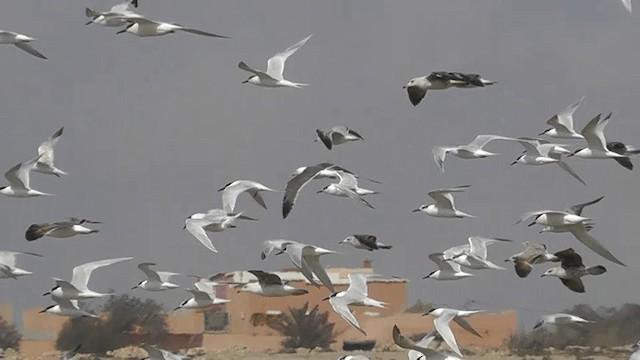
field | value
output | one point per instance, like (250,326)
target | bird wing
(124,7)
(574,284)
(478,245)
(443,197)
(340,307)
(357,286)
(593,133)
(530,148)
(354,133)
(231,192)
(369,241)
(269,245)
(151,275)
(200,32)
(18,176)
(445,266)
(297,183)
(325,138)
(166,275)
(275,65)
(627,5)
(442,325)
(481,140)
(46,148)
(355,196)
(347,180)
(578,208)
(465,325)
(36,231)
(28,48)
(255,194)
(196,228)
(532,213)
(313,263)
(569,258)
(580,233)
(421,347)
(258,73)
(416,94)
(564,166)
(9,257)
(266,278)
(564,119)
(81,273)
(439,154)
(456,251)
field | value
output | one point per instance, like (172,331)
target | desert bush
(304,328)
(122,316)
(10,337)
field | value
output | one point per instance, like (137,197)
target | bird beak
(404,87)
(543,275)
(42,311)
(416,210)
(244,82)
(533,223)
(88,23)
(513,163)
(47,293)
(121,31)
(184,227)
(318,192)
(327,298)
(178,308)
(135,287)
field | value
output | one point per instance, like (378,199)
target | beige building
(241,322)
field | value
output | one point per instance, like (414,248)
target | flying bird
(356,294)
(215,220)
(19,184)
(307,258)
(232,190)
(365,242)
(66,307)
(447,270)
(45,164)
(274,76)
(444,205)
(533,254)
(541,153)
(338,135)
(571,270)
(562,123)
(144,27)
(347,187)
(442,318)
(270,285)
(560,319)
(298,182)
(441,80)
(576,210)
(20,41)
(332,173)
(202,299)
(77,287)
(473,150)
(156,280)
(474,254)
(593,132)
(61,229)
(578,226)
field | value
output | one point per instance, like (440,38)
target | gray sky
(153,126)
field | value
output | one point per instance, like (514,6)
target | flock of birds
(306,257)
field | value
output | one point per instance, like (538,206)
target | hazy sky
(153,126)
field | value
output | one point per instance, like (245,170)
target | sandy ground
(131,353)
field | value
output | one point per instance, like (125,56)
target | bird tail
(596,270)
(299,85)
(384,246)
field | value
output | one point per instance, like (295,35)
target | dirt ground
(130,353)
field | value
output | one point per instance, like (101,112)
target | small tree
(304,329)
(123,315)
(9,336)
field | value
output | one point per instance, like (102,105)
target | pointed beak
(122,31)
(135,287)
(178,308)
(88,23)
(416,210)
(543,275)
(318,192)
(47,293)
(533,223)
(513,163)
(244,82)
(184,227)
(327,298)
(42,311)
